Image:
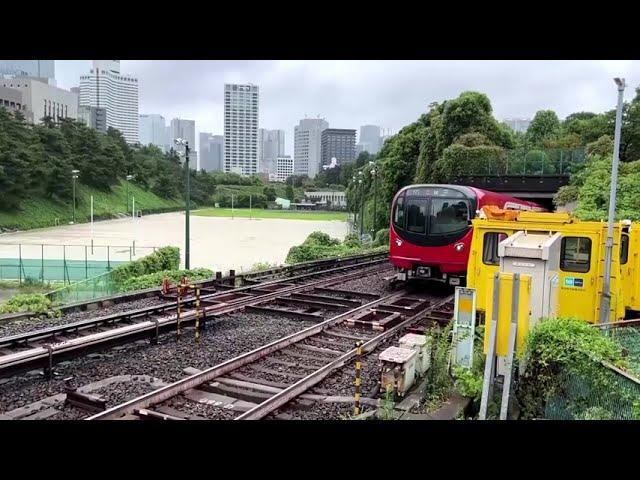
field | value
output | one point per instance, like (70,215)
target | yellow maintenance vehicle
(581,263)
(524,266)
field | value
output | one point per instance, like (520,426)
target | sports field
(280,214)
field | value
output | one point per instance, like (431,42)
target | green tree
(289,192)
(545,126)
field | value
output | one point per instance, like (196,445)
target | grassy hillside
(40,212)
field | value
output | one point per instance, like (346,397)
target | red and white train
(430,231)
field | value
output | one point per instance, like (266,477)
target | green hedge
(165,258)
(155,279)
(320,245)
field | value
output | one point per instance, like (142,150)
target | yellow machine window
(624,249)
(575,254)
(490,243)
(417,216)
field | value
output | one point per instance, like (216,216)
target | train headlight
(459,247)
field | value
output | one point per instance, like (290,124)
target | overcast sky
(349,94)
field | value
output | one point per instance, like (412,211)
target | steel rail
(32,357)
(298,388)
(165,393)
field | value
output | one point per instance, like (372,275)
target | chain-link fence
(531,163)
(608,393)
(89,289)
(63,263)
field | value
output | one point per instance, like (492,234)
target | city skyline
(350,94)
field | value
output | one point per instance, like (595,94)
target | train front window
(448,216)
(417,216)
(398,214)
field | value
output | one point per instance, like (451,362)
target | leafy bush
(381,238)
(352,241)
(155,279)
(557,348)
(320,245)
(32,302)
(468,382)
(165,258)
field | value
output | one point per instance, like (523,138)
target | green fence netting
(88,289)
(63,263)
(608,394)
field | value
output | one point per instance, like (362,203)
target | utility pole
(605,302)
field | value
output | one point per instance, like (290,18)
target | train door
(486,263)
(579,275)
(627,271)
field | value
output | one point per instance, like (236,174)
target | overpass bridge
(536,175)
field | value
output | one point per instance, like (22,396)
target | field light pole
(74,176)
(605,302)
(375,198)
(181,141)
(355,205)
(361,204)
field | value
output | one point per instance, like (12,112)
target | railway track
(287,297)
(257,383)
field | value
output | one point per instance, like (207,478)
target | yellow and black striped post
(356,395)
(197,314)
(178,299)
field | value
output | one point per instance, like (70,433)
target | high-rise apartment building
(241,113)
(105,87)
(270,147)
(338,143)
(307,145)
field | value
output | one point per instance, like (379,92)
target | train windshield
(448,216)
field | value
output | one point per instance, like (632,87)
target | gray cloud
(353,93)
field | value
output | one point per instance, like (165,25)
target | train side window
(398,215)
(417,216)
(624,249)
(575,254)
(490,243)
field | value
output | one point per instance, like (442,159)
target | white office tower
(153,131)
(370,139)
(105,87)
(211,148)
(270,147)
(45,69)
(284,168)
(307,151)
(241,129)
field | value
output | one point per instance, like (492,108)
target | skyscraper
(270,147)
(370,140)
(104,87)
(153,131)
(29,68)
(307,146)
(185,129)
(338,143)
(211,152)
(241,128)
(518,124)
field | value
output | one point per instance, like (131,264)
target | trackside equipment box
(537,255)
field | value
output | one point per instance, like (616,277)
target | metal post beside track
(358,382)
